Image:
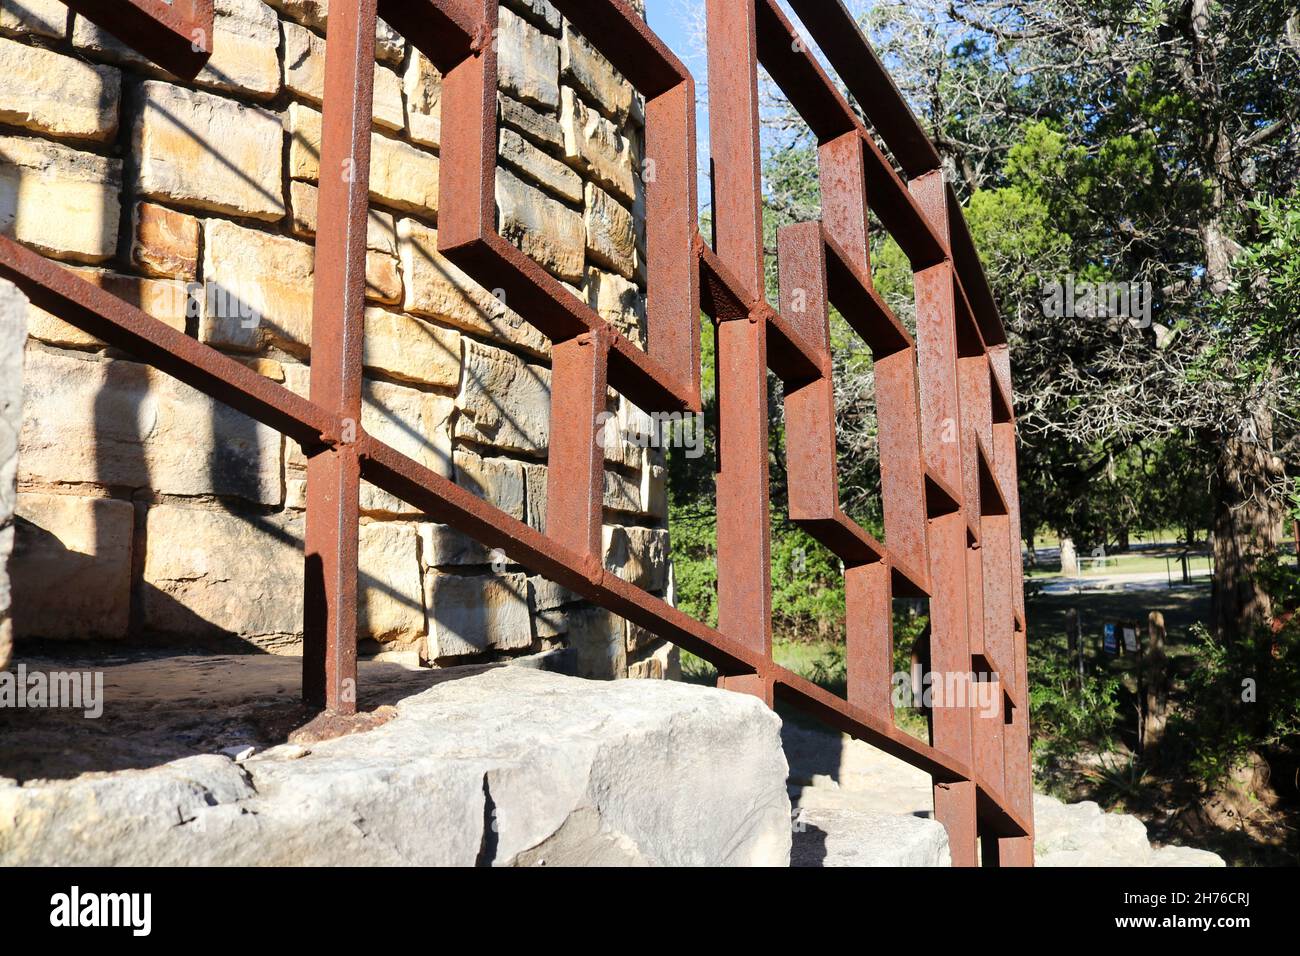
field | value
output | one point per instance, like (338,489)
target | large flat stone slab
(836,838)
(503,765)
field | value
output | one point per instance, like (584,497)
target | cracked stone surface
(490,765)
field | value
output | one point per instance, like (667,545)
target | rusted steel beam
(627,41)
(666,377)
(1015,851)
(175,34)
(970,271)
(950,640)
(443,30)
(338,310)
(668,176)
(61,292)
(744,532)
(836,32)
(842,174)
(801,78)
(575,480)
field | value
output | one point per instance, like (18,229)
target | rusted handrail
(947,431)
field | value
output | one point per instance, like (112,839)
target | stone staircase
(856,806)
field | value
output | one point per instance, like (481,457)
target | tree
(1143,128)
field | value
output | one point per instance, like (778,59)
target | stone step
(834,838)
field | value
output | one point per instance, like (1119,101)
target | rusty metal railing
(947,432)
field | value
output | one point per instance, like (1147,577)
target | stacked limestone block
(147,510)
(13,330)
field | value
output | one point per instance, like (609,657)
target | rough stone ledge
(502,765)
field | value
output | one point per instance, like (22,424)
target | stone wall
(148,512)
(13,330)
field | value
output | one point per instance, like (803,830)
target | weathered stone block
(58,95)
(164,242)
(498,481)
(470,615)
(637,555)
(383,274)
(411,349)
(662,663)
(436,287)
(442,546)
(541,128)
(622,493)
(619,301)
(503,401)
(422,84)
(529,61)
(199,150)
(245,49)
(211,572)
(403,177)
(535,478)
(258,289)
(594,146)
(389,45)
(592,72)
(415,424)
(550,616)
(59,200)
(504,766)
(123,425)
(166,300)
(540,12)
(544,228)
(598,643)
(304,76)
(550,174)
(610,232)
(390,600)
(71,570)
(304,125)
(13,333)
(43,18)
(383,279)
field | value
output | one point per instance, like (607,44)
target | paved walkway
(1141,581)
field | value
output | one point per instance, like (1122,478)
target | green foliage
(1070,714)
(1259,308)
(807,586)
(1242,695)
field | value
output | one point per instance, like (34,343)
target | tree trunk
(1246,522)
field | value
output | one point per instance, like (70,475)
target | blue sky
(664,17)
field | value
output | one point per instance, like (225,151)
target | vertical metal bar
(813,475)
(869,638)
(734,140)
(467,170)
(575,481)
(333,474)
(936,339)
(845,217)
(977,411)
(1014,851)
(669,179)
(843,176)
(902,467)
(744,533)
